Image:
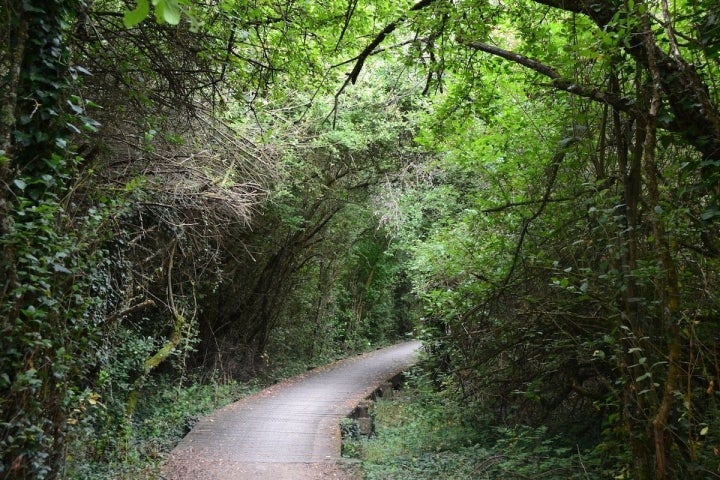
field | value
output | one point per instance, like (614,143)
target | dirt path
(289,431)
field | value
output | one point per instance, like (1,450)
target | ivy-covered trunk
(14,38)
(46,266)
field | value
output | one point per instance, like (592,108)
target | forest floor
(290,430)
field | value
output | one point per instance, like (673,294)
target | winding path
(289,431)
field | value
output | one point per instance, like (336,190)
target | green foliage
(555,274)
(166,11)
(561,233)
(168,411)
(326,262)
(426,434)
(52,256)
(420,420)
(52,323)
(92,289)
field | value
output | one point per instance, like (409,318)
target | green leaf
(84,70)
(76,108)
(710,213)
(167,11)
(19,183)
(134,17)
(59,268)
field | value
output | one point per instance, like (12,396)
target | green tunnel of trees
(205,189)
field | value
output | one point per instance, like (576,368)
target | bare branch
(129,310)
(352,5)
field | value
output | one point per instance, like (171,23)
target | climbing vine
(51,260)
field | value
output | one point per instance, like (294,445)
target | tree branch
(551,173)
(558,82)
(352,5)
(696,117)
(129,310)
(389,28)
(370,50)
(508,205)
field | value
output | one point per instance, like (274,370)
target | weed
(425,434)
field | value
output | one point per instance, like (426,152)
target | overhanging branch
(558,82)
(370,48)
(697,117)
(389,28)
(524,203)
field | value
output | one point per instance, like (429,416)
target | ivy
(49,316)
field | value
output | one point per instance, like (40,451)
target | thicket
(168,222)
(192,191)
(566,242)
(424,433)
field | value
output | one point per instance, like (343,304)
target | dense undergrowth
(167,411)
(425,433)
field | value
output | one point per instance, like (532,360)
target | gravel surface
(289,431)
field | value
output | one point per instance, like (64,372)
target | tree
(47,320)
(635,81)
(316,214)
(142,184)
